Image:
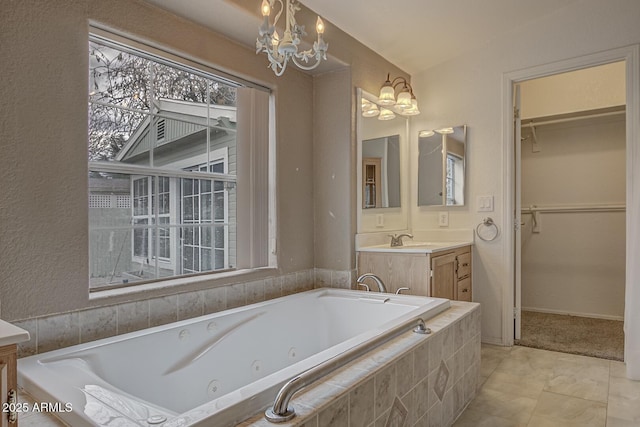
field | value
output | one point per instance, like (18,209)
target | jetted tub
(217,369)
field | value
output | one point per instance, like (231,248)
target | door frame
(631,56)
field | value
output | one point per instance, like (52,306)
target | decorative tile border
(76,327)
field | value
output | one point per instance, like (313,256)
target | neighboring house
(196,211)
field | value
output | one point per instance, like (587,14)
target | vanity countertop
(416,247)
(11,334)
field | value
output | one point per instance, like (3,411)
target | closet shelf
(570,117)
(580,208)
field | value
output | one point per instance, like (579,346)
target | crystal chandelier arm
(306,67)
(275,20)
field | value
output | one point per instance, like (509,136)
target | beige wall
(580,90)
(468,89)
(335,148)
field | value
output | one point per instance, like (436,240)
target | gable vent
(160,130)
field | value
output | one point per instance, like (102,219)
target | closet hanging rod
(533,122)
(584,208)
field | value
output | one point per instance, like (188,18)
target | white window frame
(255,205)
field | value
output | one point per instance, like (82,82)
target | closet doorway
(570,199)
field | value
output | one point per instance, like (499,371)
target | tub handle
(399,290)
(12,403)
(365,286)
(282,412)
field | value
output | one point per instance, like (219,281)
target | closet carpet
(572,334)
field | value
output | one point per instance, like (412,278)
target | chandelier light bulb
(266,8)
(319,25)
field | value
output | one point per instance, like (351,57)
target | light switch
(379,220)
(485,203)
(443,219)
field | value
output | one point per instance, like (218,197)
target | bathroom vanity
(10,336)
(436,269)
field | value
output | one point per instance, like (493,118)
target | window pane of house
(177,84)
(110,129)
(119,78)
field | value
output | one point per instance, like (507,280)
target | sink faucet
(396,240)
(375,278)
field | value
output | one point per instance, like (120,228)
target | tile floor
(526,387)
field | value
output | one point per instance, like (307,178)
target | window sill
(176,283)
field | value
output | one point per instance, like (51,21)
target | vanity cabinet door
(464,265)
(443,276)
(451,274)
(464,290)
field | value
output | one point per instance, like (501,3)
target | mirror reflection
(441,166)
(381,172)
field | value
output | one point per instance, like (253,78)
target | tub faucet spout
(375,278)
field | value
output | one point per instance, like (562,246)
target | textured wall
(43,148)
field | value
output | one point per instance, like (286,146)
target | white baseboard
(570,313)
(493,341)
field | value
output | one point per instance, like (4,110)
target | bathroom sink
(415,247)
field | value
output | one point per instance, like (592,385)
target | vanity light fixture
(369,109)
(386,114)
(444,131)
(282,50)
(406,101)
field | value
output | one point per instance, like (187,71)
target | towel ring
(488,222)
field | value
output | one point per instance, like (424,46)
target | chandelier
(281,49)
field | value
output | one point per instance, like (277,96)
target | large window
(164,156)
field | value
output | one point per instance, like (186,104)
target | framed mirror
(382,180)
(441,166)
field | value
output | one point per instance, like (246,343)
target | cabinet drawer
(464,265)
(464,290)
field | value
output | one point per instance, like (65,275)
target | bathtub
(217,369)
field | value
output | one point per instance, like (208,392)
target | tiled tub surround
(230,338)
(71,328)
(404,378)
(413,381)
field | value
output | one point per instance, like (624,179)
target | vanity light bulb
(445,131)
(387,95)
(404,100)
(386,114)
